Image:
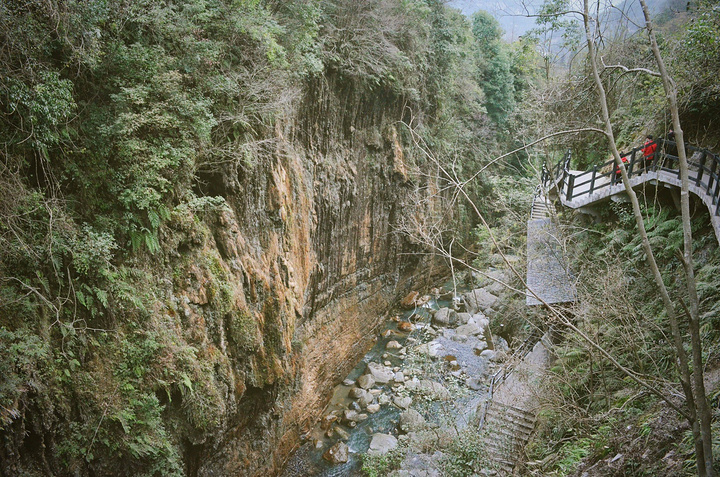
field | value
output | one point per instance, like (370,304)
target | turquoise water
(308,461)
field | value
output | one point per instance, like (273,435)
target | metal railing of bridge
(703,165)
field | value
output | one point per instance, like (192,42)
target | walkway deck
(548,273)
(576,189)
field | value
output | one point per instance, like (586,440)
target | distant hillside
(514,15)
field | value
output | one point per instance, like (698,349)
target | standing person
(648,150)
(616,173)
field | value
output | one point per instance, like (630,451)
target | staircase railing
(505,371)
(704,167)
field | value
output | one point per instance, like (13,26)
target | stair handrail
(704,161)
(505,371)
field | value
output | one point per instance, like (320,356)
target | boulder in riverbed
(382,444)
(337,454)
(381,374)
(481,320)
(480,347)
(393,345)
(402,402)
(366,381)
(462,318)
(411,421)
(350,416)
(355,393)
(468,330)
(479,300)
(444,317)
(431,349)
(366,399)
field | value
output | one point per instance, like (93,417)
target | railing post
(592,180)
(632,164)
(701,168)
(571,183)
(712,171)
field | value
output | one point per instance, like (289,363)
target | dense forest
(208,208)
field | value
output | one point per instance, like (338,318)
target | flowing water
(308,460)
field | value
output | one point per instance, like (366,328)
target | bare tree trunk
(556,313)
(700,394)
(670,309)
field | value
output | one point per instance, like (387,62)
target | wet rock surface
(415,390)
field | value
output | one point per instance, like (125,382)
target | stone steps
(509,429)
(540,208)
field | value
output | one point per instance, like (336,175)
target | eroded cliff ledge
(283,291)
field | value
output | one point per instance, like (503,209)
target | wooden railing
(704,172)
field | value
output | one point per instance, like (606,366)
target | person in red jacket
(648,150)
(616,174)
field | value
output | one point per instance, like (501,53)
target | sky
(511,14)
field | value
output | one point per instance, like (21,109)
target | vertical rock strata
(310,260)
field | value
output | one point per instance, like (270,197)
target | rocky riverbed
(415,391)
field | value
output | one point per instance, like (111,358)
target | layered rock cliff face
(284,290)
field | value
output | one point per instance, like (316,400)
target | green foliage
(495,67)
(466,454)
(381,465)
(41,109)
(23,367)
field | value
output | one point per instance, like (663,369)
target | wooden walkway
(548,273)
(577,189)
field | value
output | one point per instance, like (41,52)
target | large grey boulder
(381,374)
(481,320)
(463,318)
(337,454)
(444,317)
(479,300)
(365,399)
(366,381)
(411,421)
(356,393)
(393,345)
(431,349)
(403,402)
(350,416)
(468,330)
(382,444)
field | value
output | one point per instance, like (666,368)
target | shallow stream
(457,358)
